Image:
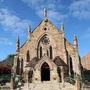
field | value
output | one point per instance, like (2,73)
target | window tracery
(44,47)
(45,40)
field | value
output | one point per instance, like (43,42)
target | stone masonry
(47,60)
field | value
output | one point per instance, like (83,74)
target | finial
(45,12)
(29,31)
(18,39)
(62,27)
(17,44)
(75,37)
(75,42)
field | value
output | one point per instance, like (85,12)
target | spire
(17,44)
(75,42)
(45,13)
(62,27)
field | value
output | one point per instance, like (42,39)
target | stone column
(62,74)
(12,83)
(15,63)
(26,76)
(69,67)
(26,81)
(78,84)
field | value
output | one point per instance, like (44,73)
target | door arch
(45,72)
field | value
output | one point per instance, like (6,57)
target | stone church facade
(47,56)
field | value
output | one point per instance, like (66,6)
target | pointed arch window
(22,66)
(71,72)
(51,52)
(40,52)
(47,53)
(28,56)
(18,66)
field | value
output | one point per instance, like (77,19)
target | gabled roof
(35,30)
(33,62)
(59,62)
(46,21)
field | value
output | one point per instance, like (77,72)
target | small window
(28,56)
(47,53)
(71,67)
(40,52)
(50,52)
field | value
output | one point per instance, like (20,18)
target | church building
(47,57)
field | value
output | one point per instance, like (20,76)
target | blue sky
(17,15)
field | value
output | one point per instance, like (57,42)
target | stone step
(48,86)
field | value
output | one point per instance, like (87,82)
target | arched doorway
(71,68)
(45,72)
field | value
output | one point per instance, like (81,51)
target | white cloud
(57,15)
(1,0)
(53,7)
(5,41)
(86,34)
(41,3)
(52,14)
(80,9)
(77,8)
(12,23)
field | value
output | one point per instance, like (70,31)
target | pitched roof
(33,62)
(59,62)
